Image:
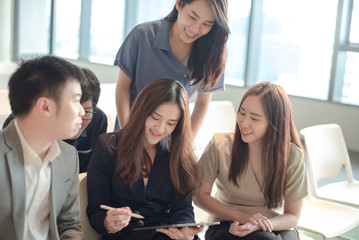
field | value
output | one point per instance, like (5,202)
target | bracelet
(106,228)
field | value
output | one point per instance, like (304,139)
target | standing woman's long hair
(275,144)
(208,56)
(184,169)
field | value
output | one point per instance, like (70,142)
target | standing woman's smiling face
(161,122)
(194,20)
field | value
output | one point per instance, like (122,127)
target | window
(311,48)
(349,91)
(238,20)
(106,32)
(66,28)
(345,62)
(354,29)
(296,45)
(33,28)
(153,10)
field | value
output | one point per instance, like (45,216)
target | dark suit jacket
(64,200)
(88,138)
(157,202)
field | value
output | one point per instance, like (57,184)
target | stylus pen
(132,214)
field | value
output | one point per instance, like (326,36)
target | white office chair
(107,104)
(327,153)
(88,232)
(326,218)
(220,117)
(304,237)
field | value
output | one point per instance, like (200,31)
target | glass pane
(354,28)
(238,19)
(351,75)
(66,28)
(34,24)
(106,30)
(153,10)
(297,45)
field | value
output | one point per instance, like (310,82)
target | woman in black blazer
(147,168)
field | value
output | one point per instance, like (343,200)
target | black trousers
(145,235)
(221,232)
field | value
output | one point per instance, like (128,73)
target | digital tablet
(178,225)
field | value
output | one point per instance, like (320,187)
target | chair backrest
(220,117)
(4,102)
(326,151)
(106,103)
(88,232)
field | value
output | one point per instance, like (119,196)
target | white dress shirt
(38,181)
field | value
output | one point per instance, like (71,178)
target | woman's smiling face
(251,120)
(161,122)
(194,20)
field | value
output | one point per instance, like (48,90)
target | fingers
(239,230)
(118,218)
(194,230)
(234,227)
(268,225)
(182,233)
(171,233)
(237,227)
(262,222)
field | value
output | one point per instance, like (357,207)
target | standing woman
(148,168)
(257,169)
(188,45)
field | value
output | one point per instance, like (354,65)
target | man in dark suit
(39,174)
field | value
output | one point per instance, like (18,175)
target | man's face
(69,111)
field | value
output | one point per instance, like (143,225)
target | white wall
(104,73)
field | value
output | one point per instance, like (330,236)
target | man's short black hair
(91,89)
(43,76)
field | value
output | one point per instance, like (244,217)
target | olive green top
(248,197)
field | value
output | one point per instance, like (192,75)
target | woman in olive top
(257,169)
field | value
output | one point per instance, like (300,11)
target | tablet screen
(177,225)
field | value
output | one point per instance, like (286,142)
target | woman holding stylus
(147,168)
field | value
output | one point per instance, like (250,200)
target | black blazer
(157,202)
